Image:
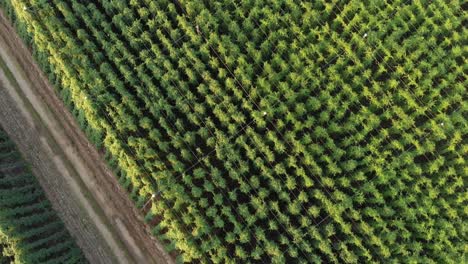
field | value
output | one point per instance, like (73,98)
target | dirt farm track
(74,175)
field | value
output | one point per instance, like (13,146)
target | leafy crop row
(273,131)
(30,230)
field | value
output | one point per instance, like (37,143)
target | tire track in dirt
(59,126)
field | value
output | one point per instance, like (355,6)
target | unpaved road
(75,177)
(61,189)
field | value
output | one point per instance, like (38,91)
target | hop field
(273,131)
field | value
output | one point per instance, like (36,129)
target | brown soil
(72,172)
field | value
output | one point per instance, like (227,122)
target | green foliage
(278,131)
(30,231)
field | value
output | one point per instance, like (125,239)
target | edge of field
(45,145)
(95,187)
(28,119)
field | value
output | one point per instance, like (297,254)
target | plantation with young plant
(276,131)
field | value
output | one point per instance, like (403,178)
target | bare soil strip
(73,173)
(52,174)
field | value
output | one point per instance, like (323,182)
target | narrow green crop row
(274,131)
(30,230)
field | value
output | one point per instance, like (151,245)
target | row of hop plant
(30,230)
